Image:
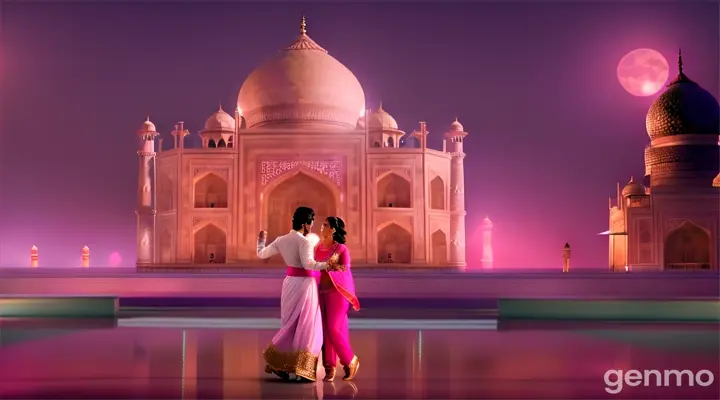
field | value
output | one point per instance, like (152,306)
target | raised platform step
(610,310)
(267,283)
(58,307)
(127,303)
(274,323)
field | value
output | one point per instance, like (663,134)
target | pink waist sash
(303,273)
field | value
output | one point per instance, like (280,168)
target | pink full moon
(642,72)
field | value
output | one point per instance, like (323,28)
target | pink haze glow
(115,259)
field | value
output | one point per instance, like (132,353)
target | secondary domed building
(301,135)
(674,222)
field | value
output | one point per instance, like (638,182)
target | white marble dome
(220,121)
(456,126)
(147,126)
(302,85)
(633,189)
(380,119)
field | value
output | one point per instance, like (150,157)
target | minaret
(422,134)
(34,256)
(455,136)
(566,257)
(487,255)
(85,257)
(145,206)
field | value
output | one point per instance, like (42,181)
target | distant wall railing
(688,266)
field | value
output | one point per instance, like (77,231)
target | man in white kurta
(295,349)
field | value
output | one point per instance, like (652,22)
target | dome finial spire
(303,26)
(380,108)
(220,105)
(680,63)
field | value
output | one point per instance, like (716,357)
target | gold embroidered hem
(301,363)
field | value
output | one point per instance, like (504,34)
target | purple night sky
(551,129)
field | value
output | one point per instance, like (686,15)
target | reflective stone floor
(96,359)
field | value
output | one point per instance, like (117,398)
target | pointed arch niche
(437,194)
(210,245)
(687,247)
(394,244)
(439,247)
(393,191)
(210,191)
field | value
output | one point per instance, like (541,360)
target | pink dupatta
(342,280)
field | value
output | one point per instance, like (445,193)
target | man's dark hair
(302,216)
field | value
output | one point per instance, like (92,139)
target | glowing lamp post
(34,256)
(566,258)
(487,255)
(85,257)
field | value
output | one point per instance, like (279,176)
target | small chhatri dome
(380,119)
(303,85)
(633,189)
(146,127)
(457,126)
(684,108)
(220,121)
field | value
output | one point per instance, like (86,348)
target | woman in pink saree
(337,294)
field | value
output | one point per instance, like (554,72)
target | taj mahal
(671,219)
(402,202)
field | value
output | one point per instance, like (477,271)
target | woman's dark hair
(302,216)
(338,226)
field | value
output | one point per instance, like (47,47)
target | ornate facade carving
(673,223)
(222,172)
(270,170)
(299,112)
(220,222)
(404,222)
(404,172)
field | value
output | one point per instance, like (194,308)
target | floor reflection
(201,364)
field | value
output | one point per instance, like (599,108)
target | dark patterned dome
(682,158)
(684,108)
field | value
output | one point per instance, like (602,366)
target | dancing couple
(315,299)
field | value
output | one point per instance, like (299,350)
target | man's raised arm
(266,252)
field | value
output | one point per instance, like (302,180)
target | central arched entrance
(687,247)
(300,189)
